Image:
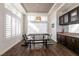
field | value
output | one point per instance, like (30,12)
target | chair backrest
(25,37)
(42,36)
(38,37)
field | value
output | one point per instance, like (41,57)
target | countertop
(69,34)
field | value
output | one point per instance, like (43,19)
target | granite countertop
(69,34)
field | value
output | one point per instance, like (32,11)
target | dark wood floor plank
(53,50)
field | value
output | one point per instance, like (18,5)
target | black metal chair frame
(26,42)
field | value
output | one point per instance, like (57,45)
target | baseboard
(1,53)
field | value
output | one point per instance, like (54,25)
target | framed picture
(52,25)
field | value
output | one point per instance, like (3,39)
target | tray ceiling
(37,7)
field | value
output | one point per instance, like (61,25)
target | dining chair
(25,38)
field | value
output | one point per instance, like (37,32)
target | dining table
(38,39)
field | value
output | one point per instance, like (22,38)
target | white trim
(17,7)
(51,9)
(20,7)
(61,6)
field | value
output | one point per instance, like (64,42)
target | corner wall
(53,19)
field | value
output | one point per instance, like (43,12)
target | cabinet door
(61,20)
(77,45)
(63,40)
(66,19)
(70,42)
(74,16)
(58,38)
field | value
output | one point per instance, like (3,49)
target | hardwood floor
(53,50)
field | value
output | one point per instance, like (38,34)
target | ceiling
(37,7)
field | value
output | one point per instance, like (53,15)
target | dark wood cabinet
(58,38)
(71,17)
(74,16)
(69,42)
(77,45)
(61,39)
(66,18)
(61,20)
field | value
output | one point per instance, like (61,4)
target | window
(12,26)
(36,26)
(8,26)
(17,27)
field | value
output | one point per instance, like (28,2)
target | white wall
(6,44)
(53,19)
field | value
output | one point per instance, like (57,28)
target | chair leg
(30,46)
(46,44)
